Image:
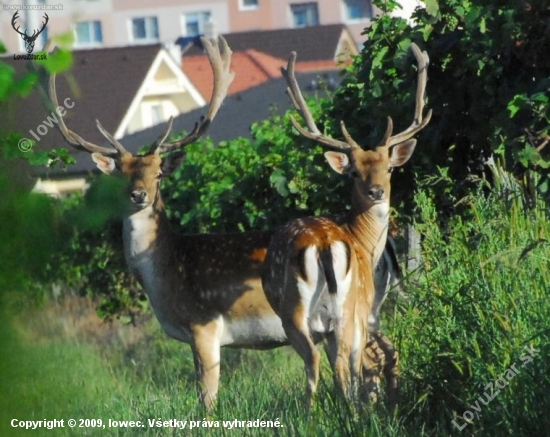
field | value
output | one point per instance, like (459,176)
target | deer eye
(159,176)
(354,174)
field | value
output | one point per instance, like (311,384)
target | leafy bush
(488,87)
(253,184)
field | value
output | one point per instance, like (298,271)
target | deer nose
(376,192)
(138,196)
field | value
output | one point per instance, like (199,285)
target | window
(196,22)
(88,33)
(304,14)
(248,5)
(145,29)
(357,10)
(157,114)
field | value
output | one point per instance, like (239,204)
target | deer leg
(298,335)
(344,340)
(331,349)
(206,355)
(373,361)
(391,369)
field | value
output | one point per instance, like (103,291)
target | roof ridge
(286,29)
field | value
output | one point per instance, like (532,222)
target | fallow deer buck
(318,272)
(205,290)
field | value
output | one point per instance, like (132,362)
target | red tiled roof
(251,68)
(327,64)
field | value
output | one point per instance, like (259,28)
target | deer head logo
(29,39)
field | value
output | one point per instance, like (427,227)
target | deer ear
(105,163)
(338,161)
(400,153)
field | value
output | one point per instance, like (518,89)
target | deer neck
(369,228)
(145,234)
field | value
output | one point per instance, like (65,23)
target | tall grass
(480,298)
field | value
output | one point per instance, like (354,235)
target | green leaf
(432,7)
(482,26)
(516,104)
(427,31)
(57,62)
(279,181)
(6,80)
(25,84)
(38,158)
(65,40)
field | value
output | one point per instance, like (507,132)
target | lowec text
(51,120)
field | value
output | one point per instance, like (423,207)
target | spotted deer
(205,290)
(318,273)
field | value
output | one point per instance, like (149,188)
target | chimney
(210,29)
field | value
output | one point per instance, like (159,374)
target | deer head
(29,40)
(144,172)
(370,169)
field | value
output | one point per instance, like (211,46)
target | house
(127,89)
(112,23)
(241,109)
(259,55)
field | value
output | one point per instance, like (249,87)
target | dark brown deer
(29,39)
(319,272)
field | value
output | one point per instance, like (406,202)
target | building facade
(111,23)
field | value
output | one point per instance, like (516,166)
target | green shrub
(479,299)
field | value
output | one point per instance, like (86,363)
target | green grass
(65,378)
(481,297)
(55,379)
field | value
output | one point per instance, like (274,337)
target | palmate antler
(219,56)
(220,60)
(388,140)
(418,122)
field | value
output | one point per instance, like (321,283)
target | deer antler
(219,56)
(418,122)
(300,105)
(13,20)
(71,137)
(43,26)
(76,140)
(220,60)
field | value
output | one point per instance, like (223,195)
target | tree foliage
(488,85)
(257,184)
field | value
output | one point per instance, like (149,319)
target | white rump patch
(307,288)
(343,279)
